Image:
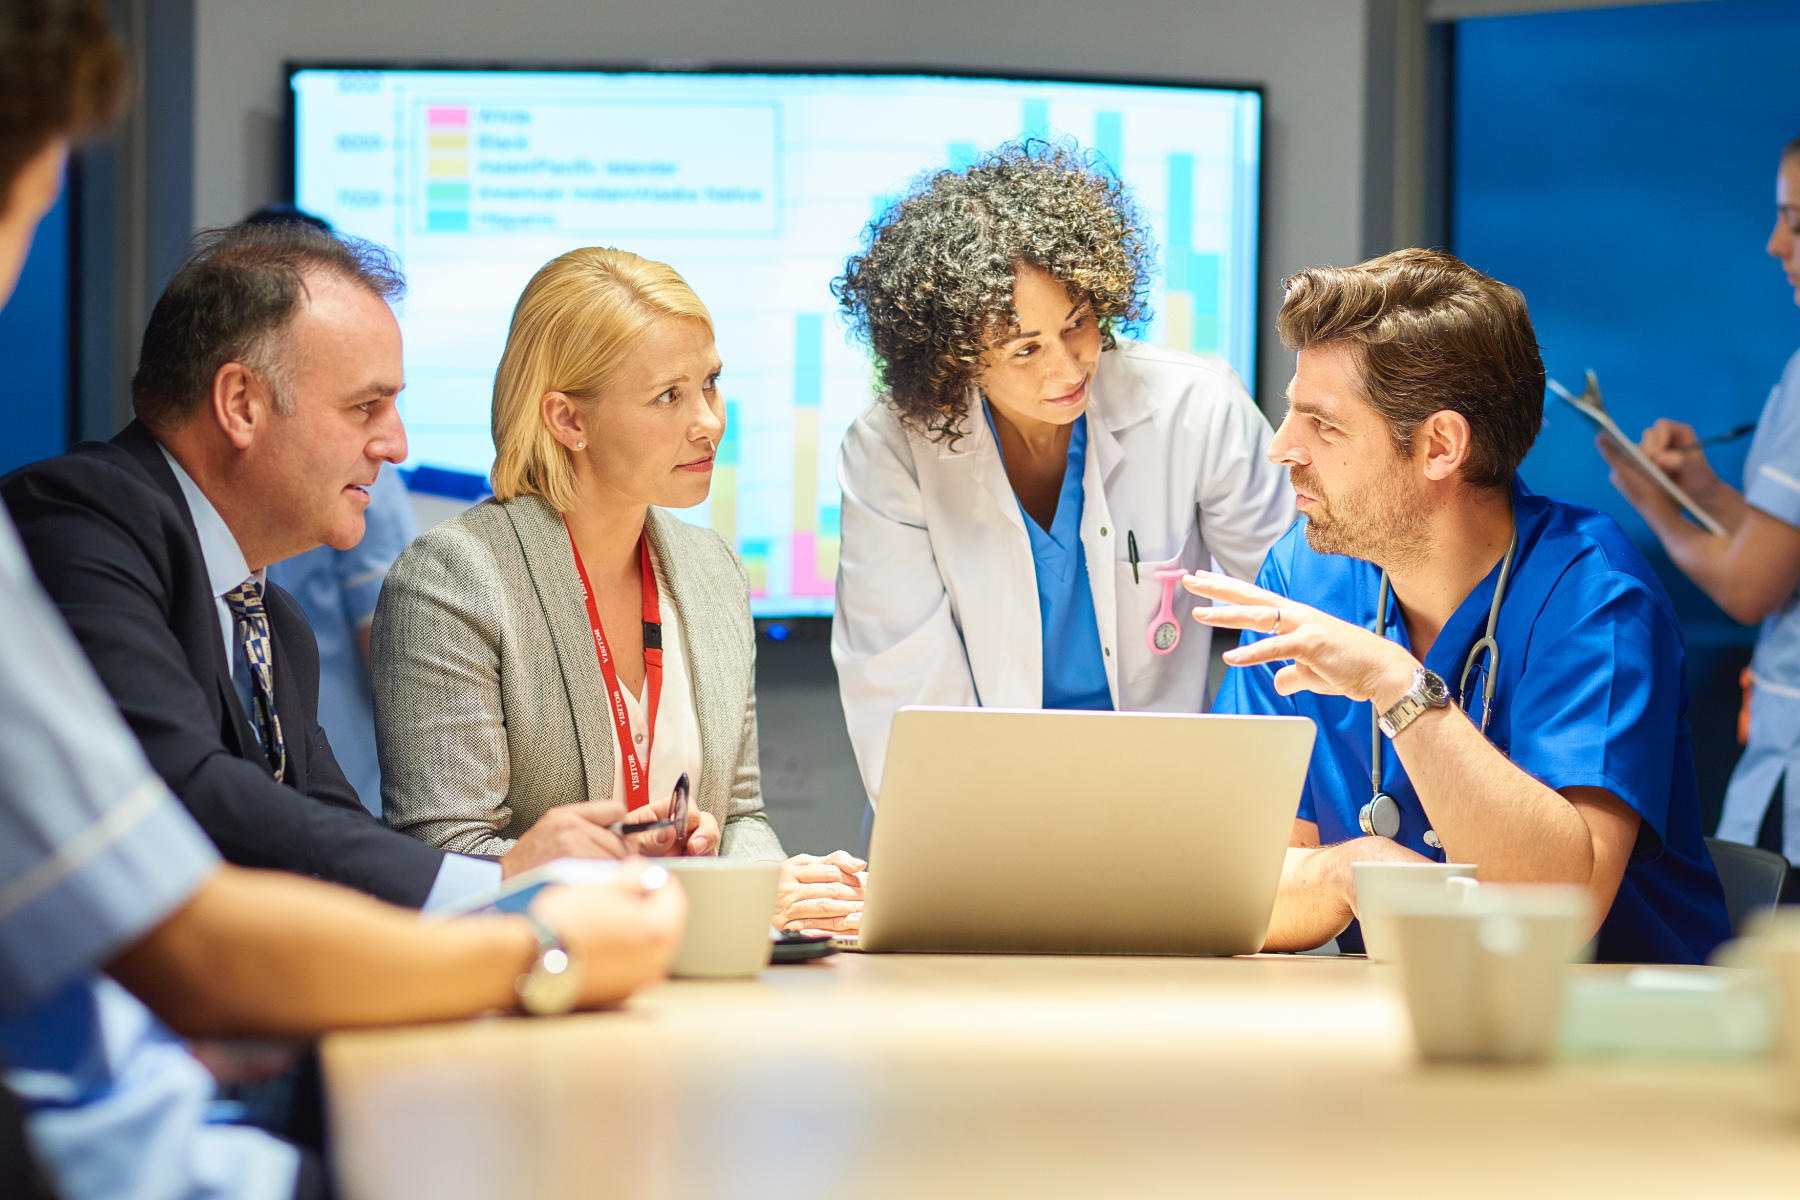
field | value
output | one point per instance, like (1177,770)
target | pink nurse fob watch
(1164,633)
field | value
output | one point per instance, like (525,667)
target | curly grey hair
(932,289)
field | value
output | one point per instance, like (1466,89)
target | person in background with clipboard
(1752,571)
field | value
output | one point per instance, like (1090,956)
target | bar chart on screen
(755,187)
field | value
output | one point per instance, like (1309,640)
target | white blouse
(676,746)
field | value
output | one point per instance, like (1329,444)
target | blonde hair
(571,331)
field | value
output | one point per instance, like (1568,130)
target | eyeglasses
(662,836)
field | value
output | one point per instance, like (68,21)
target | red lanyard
(637,770)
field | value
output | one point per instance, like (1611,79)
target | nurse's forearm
(1486,811)
(1749,574)
(1724,503)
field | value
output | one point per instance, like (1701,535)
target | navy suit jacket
(112,541)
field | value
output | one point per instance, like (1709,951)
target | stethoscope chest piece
(1380,817)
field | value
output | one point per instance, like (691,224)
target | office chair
(1752,879)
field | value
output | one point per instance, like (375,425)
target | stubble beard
(1385,522)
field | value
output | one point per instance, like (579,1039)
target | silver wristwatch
(553,984)
(1427,691)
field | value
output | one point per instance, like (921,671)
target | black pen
(1730,435)
(1131,552)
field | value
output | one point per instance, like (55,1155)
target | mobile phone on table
(790,946)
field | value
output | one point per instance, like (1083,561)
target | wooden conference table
(952,1076)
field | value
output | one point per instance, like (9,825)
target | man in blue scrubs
(1418,391)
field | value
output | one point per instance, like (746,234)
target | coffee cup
(1483,971)
(730,903)
(1379,883)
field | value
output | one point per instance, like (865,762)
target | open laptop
(1044,832)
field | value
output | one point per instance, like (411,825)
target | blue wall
(34,350)
(1618,167)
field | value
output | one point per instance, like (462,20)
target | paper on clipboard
(1590,405)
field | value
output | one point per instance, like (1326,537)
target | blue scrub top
(1772,485)
(1074,669)
(1592,693)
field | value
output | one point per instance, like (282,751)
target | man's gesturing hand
(1327,655)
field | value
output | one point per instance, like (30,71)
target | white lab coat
(937,589)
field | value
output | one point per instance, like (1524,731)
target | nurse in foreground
(1511,659)
(1020,503)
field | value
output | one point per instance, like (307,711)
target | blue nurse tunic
(1772,484)
(1592,692)
(1074,671)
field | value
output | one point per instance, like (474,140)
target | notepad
(1590,405)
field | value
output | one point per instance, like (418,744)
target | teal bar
(728,443)
(453,221)
(1036,123)
(1109,139)
(1206,333)
(1203,282)
(1175,270)
(1181,220)
(457,193)
(809,360)
(1181,200)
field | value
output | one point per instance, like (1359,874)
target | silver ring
(1277,628)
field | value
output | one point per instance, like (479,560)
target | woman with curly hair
(1011,497)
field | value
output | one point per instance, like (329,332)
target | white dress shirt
(460,876)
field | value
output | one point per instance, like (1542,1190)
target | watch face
(547,995)
(1435,694)
(1167,634)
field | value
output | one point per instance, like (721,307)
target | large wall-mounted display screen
(755,186)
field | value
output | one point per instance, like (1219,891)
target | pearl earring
(581,445)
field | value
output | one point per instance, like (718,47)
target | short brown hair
(230,300)
(574,325)
(62,74)
(1431,333)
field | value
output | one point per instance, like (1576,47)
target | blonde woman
(521,693)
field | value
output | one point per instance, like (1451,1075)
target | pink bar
(806,568)
(447,116)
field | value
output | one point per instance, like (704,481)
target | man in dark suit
(265,397)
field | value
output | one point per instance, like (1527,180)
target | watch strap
(1427,691)
(553,983)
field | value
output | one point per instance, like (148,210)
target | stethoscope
(1380,817)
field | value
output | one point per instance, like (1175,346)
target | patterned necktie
(246,604)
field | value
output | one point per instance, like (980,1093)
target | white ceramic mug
(1484,971)
(1377,886)
(730,904)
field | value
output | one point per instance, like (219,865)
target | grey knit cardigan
(489,705)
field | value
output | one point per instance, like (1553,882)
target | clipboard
(1590,405)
